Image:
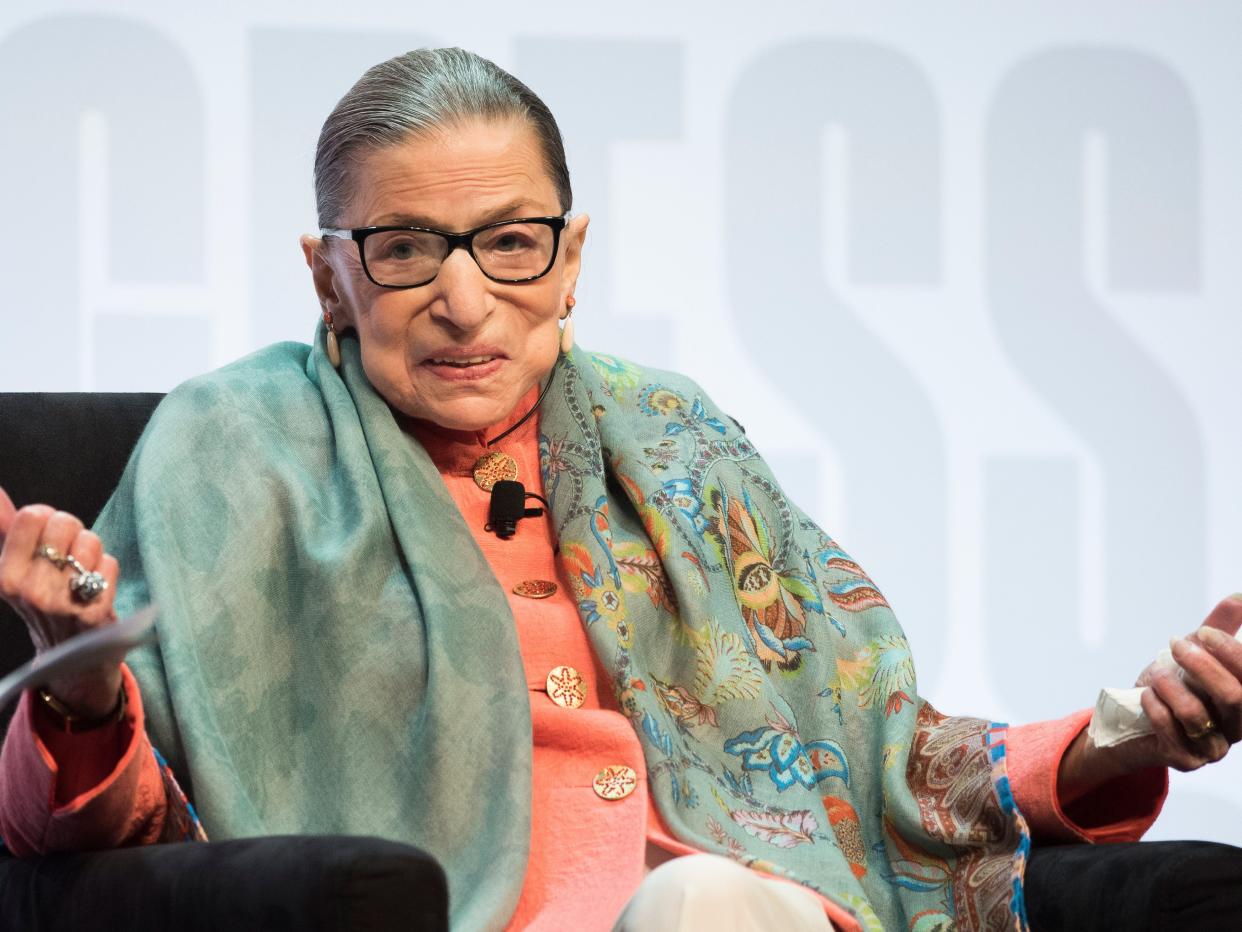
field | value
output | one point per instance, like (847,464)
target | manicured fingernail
(1182,646)
(1210,635)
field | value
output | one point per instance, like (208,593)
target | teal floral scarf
(315,672)
(767,677)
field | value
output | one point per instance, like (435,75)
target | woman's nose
(464,298)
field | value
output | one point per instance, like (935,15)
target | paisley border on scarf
(988,833)
(998,748)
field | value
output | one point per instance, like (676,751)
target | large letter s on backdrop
(1102,383)
(840,376)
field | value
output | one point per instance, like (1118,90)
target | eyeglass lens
(511,252)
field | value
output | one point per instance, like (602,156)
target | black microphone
(508,507)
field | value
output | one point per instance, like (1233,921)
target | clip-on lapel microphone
(508,507)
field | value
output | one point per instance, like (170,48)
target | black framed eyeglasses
(508,251)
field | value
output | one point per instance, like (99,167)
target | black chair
(69,450)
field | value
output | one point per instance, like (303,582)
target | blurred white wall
(967,272)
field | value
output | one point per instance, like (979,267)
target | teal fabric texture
(335,655)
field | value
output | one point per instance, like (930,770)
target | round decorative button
(566,687)
(615,782)
(491,467)
(535,588)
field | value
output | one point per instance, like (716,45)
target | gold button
(615,782)
(566,687)
(535,588)
(490,468)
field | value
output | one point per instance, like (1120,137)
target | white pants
(709,892)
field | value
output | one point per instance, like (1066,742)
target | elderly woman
(365,630)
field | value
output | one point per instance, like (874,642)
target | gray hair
(415,93)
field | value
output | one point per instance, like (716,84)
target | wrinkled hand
(1198,718)
(1179,711)
(39,592)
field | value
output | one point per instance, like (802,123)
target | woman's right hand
(39,592)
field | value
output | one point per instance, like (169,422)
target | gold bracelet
(69,722)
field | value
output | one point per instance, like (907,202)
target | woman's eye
(401,249)
(508,242)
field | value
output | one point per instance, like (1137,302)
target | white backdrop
(967,272)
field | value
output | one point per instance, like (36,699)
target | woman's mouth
(461,363)
(462,366)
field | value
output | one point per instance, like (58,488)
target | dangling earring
(567,332)
(332,344)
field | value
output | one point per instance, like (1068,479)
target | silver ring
(51,554)
(84,586)
(87,587)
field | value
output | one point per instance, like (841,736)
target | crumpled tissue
(1119,715)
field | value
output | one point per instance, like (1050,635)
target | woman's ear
(309,244)
(573,237)
(325,277)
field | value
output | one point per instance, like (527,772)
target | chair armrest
(324,883)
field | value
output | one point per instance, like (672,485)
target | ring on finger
(84,586)
(87,587)
(1209,728)
(59,560)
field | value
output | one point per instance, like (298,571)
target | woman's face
(462,350)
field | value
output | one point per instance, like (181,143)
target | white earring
(567,331)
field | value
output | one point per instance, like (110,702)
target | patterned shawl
(336,656)
(767,677)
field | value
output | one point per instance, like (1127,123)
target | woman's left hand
(1195,719)
(1199,717)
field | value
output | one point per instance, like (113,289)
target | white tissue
(1119,715)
